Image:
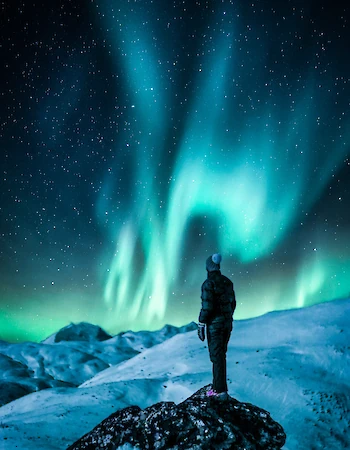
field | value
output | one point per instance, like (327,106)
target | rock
(82,331)
(198,423)
(10,390)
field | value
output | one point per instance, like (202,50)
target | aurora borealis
(138,137)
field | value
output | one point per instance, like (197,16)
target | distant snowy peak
(169,331)
(86,332)
(82,331)
(140,340)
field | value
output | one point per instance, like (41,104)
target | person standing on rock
(218,306)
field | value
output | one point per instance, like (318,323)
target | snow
(295,364)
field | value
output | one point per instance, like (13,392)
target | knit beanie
(213,262)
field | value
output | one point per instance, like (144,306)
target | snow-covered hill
(30,367)
(295,364)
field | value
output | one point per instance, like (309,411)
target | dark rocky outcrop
(198,423)
(10,391)
(82,331)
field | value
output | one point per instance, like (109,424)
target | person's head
(213,262)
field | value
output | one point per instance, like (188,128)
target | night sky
(139,137)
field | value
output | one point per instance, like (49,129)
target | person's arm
(207,297)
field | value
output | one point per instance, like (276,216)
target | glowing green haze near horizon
(253,187)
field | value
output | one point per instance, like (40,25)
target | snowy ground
(295,364)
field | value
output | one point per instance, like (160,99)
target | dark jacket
(218,298)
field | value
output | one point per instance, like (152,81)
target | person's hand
(201,331)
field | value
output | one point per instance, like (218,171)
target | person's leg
(218,336)
(222,369)
(227,333)
(211,349)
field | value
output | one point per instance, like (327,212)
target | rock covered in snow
(198,423)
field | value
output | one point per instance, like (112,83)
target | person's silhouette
(218,306)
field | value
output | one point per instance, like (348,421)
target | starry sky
(140,136)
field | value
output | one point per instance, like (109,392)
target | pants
(218,335)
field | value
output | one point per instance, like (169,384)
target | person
(216,315)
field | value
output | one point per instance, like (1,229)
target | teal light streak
(257,186)
(142,224)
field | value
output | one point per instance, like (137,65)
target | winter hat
(213,262)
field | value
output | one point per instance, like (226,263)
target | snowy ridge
(31,367)
(295,364)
